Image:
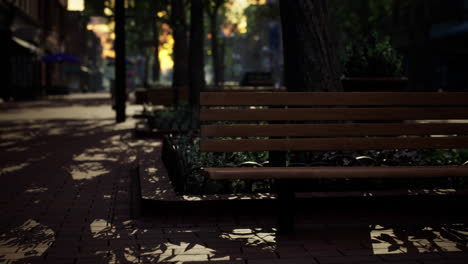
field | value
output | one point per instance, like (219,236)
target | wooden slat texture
(305,114)
(336,99)
(165,96)
(337,172)
(331,130)
(239,145)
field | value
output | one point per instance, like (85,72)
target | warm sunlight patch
(91,156)
(443,238)
(101,229)
(16,149)
(13,168)
(35,189)
(87,171)
(252,237)
(56,131)
(31,239)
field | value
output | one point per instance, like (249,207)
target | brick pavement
(65,197)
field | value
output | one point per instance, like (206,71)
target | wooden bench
(165,96)
(347,121)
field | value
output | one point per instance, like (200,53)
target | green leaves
(365,29)
(178,119)
(372,56)
(192,160)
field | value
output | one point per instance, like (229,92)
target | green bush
(189,159)
(372,56)
(192,160)
(174,119)
(381,157)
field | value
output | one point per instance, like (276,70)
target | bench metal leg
(285,207)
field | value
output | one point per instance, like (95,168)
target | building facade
(29,30)
(32,29)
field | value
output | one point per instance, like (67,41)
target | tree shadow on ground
(58,175)
(59,101)
(65,198)
(436,238)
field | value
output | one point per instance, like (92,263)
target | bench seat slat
(320,114)
(331,130)
(331,98)
(312,144)
(337,172)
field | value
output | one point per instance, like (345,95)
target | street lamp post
(120,71)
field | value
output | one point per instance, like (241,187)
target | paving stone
(416,257)
(184,258)
(325,253)
(447,261)
(291,252)
(317,246)
(349,259)
(284,261)
(260,255)
(226,243)
(93,260)
(357,252)
(58,260)
(224,261)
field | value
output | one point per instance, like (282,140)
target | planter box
(171,161)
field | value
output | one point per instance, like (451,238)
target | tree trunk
(179,26)
(311,63)
(221,66)
(120,67)
(196,63)
(5,53)
(143,49)
(217,71)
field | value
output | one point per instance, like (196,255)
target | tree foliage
(358,17)
(364,28)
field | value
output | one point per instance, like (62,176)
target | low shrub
(372,56)
(172,119)
(189,179)
(184,161)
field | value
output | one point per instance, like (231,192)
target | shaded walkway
(65,178)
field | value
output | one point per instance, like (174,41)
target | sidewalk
(65,177)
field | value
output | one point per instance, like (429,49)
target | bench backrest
(165,96)
(283,121)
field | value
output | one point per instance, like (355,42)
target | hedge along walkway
(65,198)
(156,184)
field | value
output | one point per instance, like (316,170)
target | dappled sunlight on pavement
(423,239)
(75,106)
(65,197)
(64,165)
(30,239)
